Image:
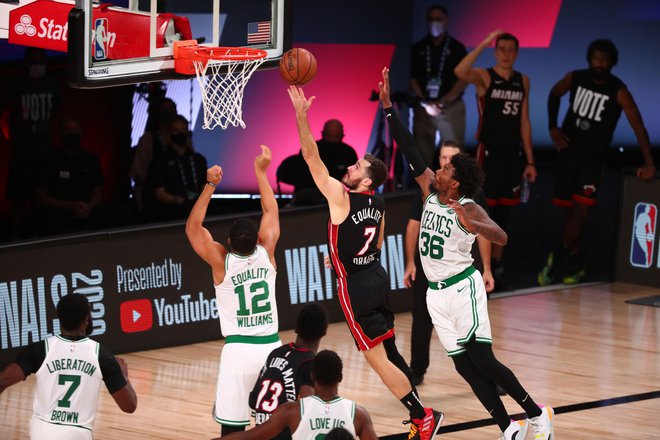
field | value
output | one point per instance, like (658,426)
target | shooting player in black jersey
(355,235)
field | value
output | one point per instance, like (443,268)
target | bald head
(333,131)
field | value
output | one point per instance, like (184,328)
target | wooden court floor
(567,347)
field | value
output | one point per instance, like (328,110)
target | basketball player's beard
(599,74)
(350,185)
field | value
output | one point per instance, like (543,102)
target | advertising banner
(638,256)
(148,289)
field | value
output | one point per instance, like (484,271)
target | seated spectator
(152,143)
(335,154)
(68,185)
(176,177)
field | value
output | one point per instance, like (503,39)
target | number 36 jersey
(445,247)
(246,297)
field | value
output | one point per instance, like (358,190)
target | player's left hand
(530,173)
(646,172)
(384,89)
(262,161)
(489,280)
(462,214)
(214,174)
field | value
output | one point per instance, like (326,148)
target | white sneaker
(516,430)
(542,425)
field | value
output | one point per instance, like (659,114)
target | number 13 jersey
(445,247)
(246,297)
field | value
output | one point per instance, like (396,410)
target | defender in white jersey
(69,368)
(244,279)
(456,297)
(312,417)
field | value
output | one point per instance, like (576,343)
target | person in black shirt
(68,187)
(61,389)
(287,373)
(503,98)
(355,234)
(177,176)
(596,100)
(433,81)
(335,154)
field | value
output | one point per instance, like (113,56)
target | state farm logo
(48,28)
(24,26)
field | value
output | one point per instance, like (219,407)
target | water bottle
(524,191)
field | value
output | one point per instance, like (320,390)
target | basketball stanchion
(222,74)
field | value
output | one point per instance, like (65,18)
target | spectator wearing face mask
(152,143)
(176,177)
(441,107)
(31,102)
(335,154)
(68,184)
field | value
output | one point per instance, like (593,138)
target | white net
(222,91)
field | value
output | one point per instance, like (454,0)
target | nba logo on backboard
(100,38)
(643,236)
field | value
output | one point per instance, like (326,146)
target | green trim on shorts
(475,315)
(65,424)
(456,352)
(269,339)
(452,279)
(484,340)
(231,422)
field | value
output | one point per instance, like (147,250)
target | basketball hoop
(222,73)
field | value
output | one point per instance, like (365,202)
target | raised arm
(562,87)
(331,188)
(477,76)
(420,171)
(199,237)
(526,135)
(475,220)
(269,230)
(627,102)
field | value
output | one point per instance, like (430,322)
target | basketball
(298,66)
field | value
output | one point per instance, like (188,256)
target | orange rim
(188,52)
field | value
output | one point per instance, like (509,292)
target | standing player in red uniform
(503,98)
(355,235)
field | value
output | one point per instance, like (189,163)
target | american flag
(258,32)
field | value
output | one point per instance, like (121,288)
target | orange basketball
(298,66)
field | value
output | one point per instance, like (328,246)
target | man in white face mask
(441,106)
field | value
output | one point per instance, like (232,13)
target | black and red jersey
(354,243)
(500,110)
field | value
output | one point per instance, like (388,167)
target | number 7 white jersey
(68,383)
(445,247)
(246,297)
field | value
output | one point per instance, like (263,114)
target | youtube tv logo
(136,316)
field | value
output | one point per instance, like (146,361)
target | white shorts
(240,364)
(459,312)
(42,430)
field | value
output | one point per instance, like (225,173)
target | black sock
(414,406)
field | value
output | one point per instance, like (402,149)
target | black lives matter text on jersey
(28,306)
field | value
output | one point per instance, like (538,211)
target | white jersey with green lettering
(318,417)
(246,297)
(445,247)
(68,383)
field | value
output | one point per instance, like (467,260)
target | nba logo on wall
(643,235)
(100,38)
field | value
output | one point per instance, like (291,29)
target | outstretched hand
(262,161)
(214,174)
(300,103)
(384,89)
(461,213)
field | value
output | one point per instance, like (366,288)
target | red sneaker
(427,427)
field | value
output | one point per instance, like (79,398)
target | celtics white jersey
(246,297)
(68,382)
(445,247)
(318,417)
